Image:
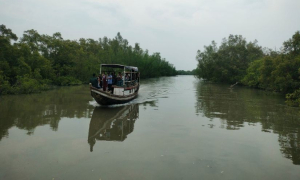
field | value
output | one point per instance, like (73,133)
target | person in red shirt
(104,82)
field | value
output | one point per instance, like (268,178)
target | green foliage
(278,72)
(229,62)
(26,85)
(252,77)
(182,72)
(237,60)
(292,46)
(4,85)
(39,60)
(293,99)
(7,33)
(67,81)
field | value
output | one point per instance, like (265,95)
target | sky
(174,28)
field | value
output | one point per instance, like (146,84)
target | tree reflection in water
(29,111)
(235,107)
(112,124)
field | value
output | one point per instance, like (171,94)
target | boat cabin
(127,77)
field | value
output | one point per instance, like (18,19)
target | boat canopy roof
(120,66)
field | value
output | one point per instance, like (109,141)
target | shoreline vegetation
(247,63)
(183,72)
(38,62)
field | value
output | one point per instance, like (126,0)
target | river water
(178,128)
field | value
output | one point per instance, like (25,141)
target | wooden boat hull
(106,98)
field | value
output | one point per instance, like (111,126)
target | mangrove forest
(35,62)
(247,63)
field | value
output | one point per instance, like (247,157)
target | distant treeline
(183,72)
(237,60)
(37,60)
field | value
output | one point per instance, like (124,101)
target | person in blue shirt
(109,82)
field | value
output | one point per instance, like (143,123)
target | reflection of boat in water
(112,124)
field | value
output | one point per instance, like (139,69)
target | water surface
(178,128)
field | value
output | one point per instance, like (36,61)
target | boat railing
(126,83)
(130,83)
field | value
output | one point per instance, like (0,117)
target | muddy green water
(178,128)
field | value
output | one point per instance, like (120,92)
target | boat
(123,90)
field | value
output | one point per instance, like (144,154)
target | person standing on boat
(100,81)
(119,80)
(104,82)
(114,78)
(94,81)
(109,81)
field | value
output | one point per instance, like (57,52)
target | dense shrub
(293,99)
(66,81)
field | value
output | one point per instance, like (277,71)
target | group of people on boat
(106,80)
